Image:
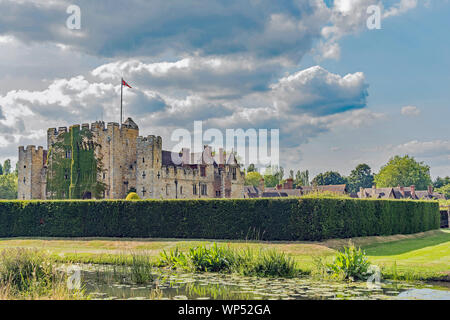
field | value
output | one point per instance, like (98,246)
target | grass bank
(422,256)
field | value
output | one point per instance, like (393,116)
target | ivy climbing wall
(73,167)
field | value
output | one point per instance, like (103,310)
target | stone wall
(127,161)
(31,173)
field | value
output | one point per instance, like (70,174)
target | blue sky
(339,93)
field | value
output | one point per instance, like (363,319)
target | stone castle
(94,162)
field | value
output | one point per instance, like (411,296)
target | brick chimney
(289,184)
(402,191)
(430,190)
(261,185)
(413,192)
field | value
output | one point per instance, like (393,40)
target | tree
(251,168)
(440,182)
(8,186)
(273,176)
(328,178)
(279,174)
(445,190)
(1,169)
(403,171)
(360,177)
(253,178)
(7,166)
(301,178)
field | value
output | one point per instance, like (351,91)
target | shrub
(31,274)
(289,219)
(266,263)
(132,196)
(351,264)
(248,262)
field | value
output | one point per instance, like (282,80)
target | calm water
(103,284)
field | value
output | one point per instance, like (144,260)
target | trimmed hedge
(265,219)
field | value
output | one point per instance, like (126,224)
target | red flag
(125,84)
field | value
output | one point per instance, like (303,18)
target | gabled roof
(338,188)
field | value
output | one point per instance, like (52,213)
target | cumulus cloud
(350,17)
(425,148)
(303,104)
(258,28)
(215,77)
(410,111)
(319,92)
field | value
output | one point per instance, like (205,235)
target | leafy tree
(8,186)
(301,178)
(440,182)
(253,178)
(403,171)
(279,174)
(273,176)
(251,168)
(291,174)
(360,177)
(445,190)
(1,169)
(7,166)
(328,178)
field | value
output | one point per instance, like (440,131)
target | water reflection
(112,284)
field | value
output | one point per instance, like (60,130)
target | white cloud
(410,111)
(400,8)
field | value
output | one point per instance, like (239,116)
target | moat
(103,285)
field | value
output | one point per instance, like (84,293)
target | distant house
(287,190)
(400,193)
(335,188)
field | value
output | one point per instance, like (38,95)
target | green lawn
(419,256)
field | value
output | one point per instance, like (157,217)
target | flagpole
(121,97)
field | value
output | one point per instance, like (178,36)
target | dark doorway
(87,195)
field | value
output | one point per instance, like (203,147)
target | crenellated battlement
(124,161)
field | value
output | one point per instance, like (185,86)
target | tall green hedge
(267,219)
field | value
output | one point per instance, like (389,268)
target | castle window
(24,180)
(167,189)
(204,190)
(194,189)
(24,167)
(143,160)
(104,176)
(131,167)
(159,175)
(167,171)
(143,191)
(217,193)
(143,175)
(234,173)
(203,171)
(181,190)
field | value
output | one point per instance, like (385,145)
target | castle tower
(32,173)
(149,162)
